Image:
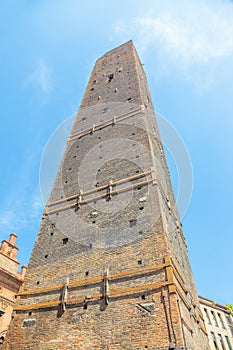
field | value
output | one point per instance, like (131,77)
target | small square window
(132,222)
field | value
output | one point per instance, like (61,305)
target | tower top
(117,76)
(127,45)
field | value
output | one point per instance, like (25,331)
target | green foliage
(230,308)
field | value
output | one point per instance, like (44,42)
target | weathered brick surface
(134,229)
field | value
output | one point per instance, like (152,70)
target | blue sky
(48,49)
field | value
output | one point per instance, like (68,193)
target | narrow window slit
(65,240)
(110,77)
(132,222)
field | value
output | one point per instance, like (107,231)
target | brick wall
(115,226)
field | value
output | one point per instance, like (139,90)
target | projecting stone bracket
(154,177)
(106,287)
(148,307)
(64,295)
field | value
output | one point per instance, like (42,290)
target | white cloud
(20,213)
(188,35)
(186,41)
(21,206)
(41,76)
(6,218)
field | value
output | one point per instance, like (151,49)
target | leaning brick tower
(110,268)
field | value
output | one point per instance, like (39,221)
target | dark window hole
(66,182)
(90,245)
(110,77)
(132,222)
(85,306)
(84,118)
(141,208)
(99,137)
(93,221)
(77,146)
(65,240)
(100,157)
(86,273)
(139,187)
(133,133)
(143,297)
(98,170)
(38,282)
(74,156)
(30,313)
(140,232)
(129,99)
(137,171)
(51,233)
(46,255)
(70,168)
(92,89)
(137,156)
(139,262)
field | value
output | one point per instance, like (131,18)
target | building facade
(10,280)
(110,267)
(219,324)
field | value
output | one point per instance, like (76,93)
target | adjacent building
(219,324)
(10,280)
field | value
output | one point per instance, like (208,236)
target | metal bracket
(64,296)
(79,199)
(106,286)
(110,189)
